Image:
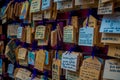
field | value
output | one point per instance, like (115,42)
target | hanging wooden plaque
(90,69)
(22,53)
(40,60)
(22,74)
(110,38)
(44,42)
(105,8)
(35,6)
(114,51)
(31,58)
(54,38)
(19,32)
(75,22)
(112,69)
(70,61)
(70,75)
(86,36)
(12,30)
(65,5)
(56,69)
(24,11)
(84,2)
(69,34)
(37,16)
(28,34)
(23,39)
(46,4)
(110,23)
(48,14)
(40,32)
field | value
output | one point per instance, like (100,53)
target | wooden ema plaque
(110,23)
(70,75)
(23,39)
(22,53)
(114,51)
(90,69)
(64,5)
(28,34)
(93,23)
(24,11)
(70,61)
(54,38)
(19,32)
(35,6)
(12,30)
(110,38)
(104,1)
(56,69)
(44,42)
(48,14)
(112,69)
(75,22)
(69,34)
(22,74)
(84,2)
(40,60)
(86,36)
(40,32)
(105,8)
(48,60)
(37,16)
(23,62)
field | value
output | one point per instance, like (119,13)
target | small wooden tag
(40,60)
(70,75)
(22,74)
(105,8)
(86,36)
(61,5)
(12,30)
(54,38)
(28,34)
(37,16)
(90,69)
(112,69)
(35,6)
(22,53)
(110,38)
(69,34)
(56,69)
(110,23)
(31,58)
(46,4)
(84,2)
(23,39)
(114,51)
(70,61)
(40,32)
(24,10)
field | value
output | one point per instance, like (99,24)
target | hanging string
(88,15)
